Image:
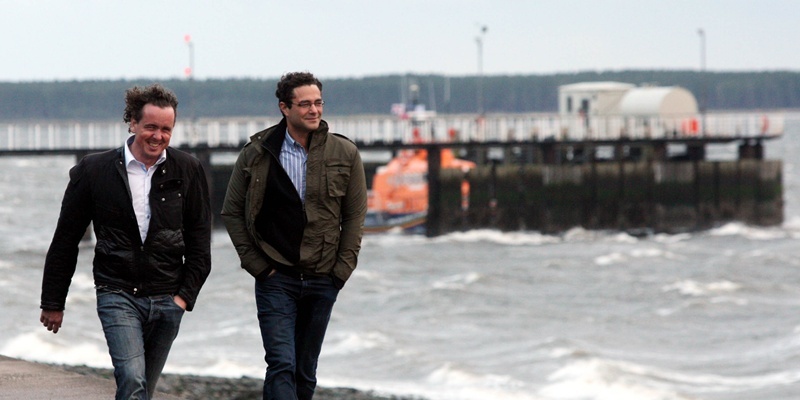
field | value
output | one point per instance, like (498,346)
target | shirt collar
(290,140)
(129,156)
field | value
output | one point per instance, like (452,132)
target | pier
(535,171)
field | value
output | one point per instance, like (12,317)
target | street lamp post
(189,72)
(479,41)
(704,100)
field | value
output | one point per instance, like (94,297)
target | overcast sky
(44,40)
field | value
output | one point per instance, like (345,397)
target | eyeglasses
(306,104)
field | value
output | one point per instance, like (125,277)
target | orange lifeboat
(399,195)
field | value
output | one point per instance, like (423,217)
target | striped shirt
(293,158)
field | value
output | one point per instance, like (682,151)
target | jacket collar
(272,138)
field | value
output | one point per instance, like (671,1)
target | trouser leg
(314,313)
(139,332)
(159,334)
(277,312)
(122,326)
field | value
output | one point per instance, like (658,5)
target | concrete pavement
(24,380)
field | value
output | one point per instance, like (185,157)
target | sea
(481,314)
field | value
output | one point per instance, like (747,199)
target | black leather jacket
(175,257)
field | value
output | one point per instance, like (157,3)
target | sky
(47,40)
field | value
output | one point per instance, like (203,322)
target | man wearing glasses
(294,210)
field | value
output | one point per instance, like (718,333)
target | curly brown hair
(137,97)
(291,81)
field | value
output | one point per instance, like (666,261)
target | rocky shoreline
(192,387)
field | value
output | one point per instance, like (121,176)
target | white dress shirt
(140,178)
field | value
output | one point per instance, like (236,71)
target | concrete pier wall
(629,196)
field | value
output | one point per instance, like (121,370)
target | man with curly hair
(150,209)
(294,210)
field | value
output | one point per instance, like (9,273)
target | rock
(193,387)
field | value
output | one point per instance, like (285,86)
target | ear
(284,108)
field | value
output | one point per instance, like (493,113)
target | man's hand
(52,319)
(180,301)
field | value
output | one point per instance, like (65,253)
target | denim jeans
(293,315)
(139,332)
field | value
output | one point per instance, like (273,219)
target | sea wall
(665,196)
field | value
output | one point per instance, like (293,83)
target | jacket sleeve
(62,256)
(197,235)
(354,210)
(234,215)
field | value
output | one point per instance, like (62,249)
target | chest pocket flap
(337,173)
(169,190)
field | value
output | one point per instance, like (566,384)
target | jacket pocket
(337,173)
(166,204)
(330,248)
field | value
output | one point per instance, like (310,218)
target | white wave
(457,282)
(666,238)
(597,379)
(748,232)
(352,342)
(564,352)
(525,238)
(647,253)
(729,299)
(693,288)
(43,346)
(617,257)
(579,234)
(447,382)
(622,237)
(393,240)
(665,312)
(611,258)
(222,368)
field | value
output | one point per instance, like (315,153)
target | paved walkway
(24,380)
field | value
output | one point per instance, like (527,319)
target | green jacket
(323,237)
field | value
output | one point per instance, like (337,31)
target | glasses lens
(307,104)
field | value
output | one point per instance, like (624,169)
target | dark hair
(137,97)
(291,81)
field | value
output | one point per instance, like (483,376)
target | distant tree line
(101,100)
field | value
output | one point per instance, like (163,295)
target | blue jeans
(139,332)
(293,315)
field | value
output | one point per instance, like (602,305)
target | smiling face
(299,120)
(152,133)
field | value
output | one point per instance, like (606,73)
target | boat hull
(379,222)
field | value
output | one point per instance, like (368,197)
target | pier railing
(232,132)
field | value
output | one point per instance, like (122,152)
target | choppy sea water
(474,315)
